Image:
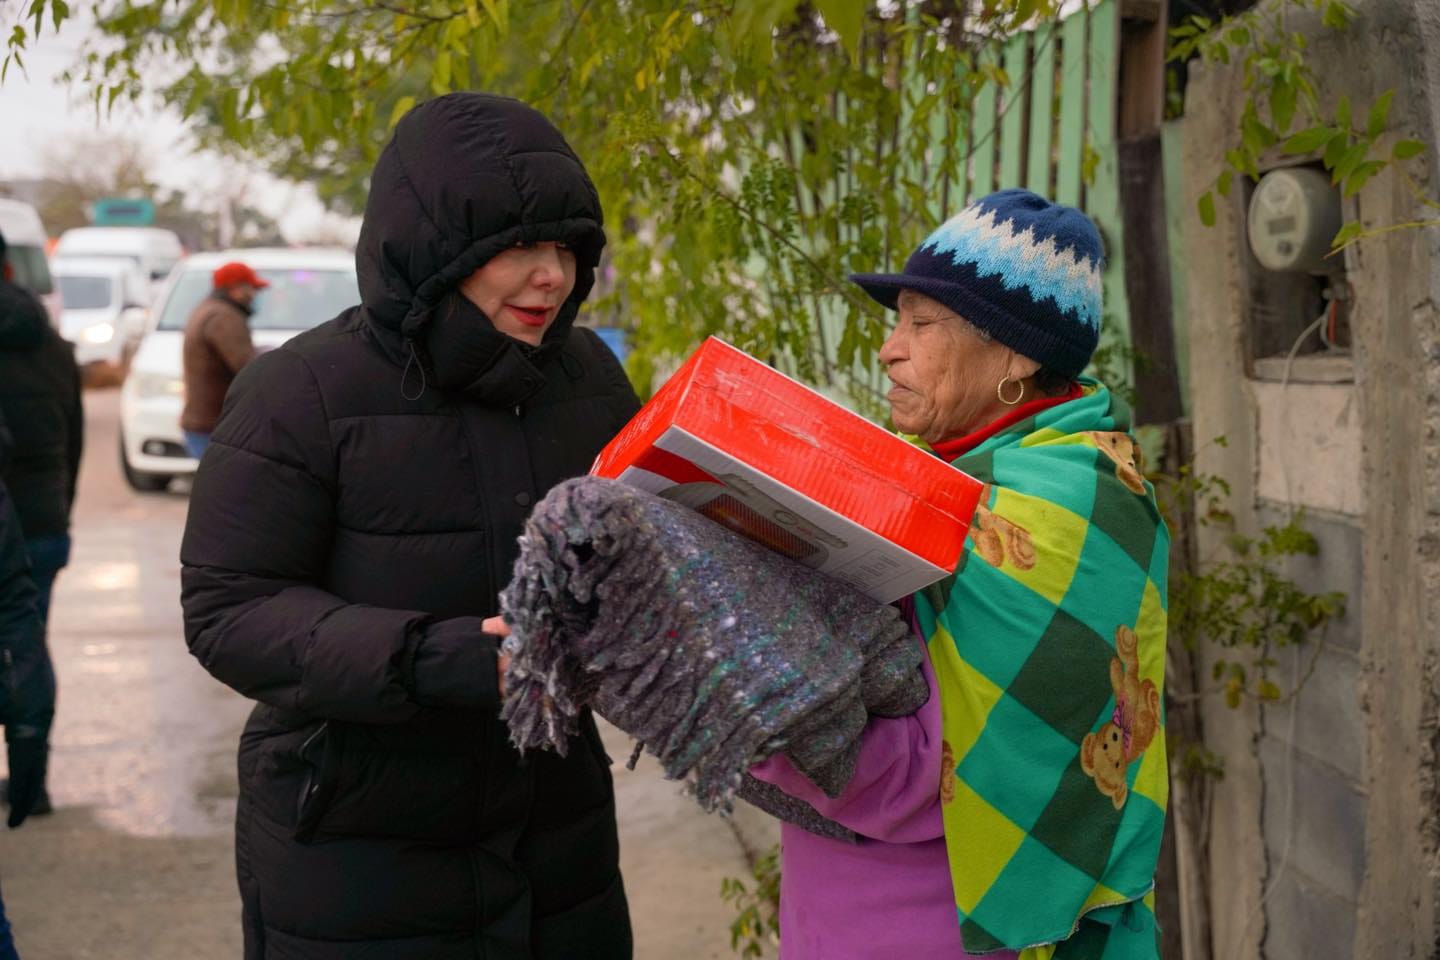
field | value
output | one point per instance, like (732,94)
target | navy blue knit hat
(1023,269)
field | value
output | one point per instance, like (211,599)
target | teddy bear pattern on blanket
(1106,754)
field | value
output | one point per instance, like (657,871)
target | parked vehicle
(307,287)
(106,303)
(154,250)
(25,238)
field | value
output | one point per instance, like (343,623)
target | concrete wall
(1324,839)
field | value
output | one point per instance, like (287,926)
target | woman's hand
(496,627)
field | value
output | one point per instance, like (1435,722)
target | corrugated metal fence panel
(939,175)
(1171,144)
(960,187)
(1102,193)
(1040,169)
(1071,157)
(1014,111)
(1057,109)
(982,130)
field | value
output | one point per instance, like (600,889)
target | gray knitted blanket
(713,652)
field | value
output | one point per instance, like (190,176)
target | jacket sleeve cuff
(455,666)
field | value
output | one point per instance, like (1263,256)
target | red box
(777,462)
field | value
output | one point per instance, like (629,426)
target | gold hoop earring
(1000,391)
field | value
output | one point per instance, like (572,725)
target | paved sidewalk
(137,861)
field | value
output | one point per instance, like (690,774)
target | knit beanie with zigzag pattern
(1023,269)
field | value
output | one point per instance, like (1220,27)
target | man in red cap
(217,345)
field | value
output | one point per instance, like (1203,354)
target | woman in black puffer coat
(352,524)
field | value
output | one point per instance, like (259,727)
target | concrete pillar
(1324,831)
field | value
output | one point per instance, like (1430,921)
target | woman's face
(522,289)
(944,372)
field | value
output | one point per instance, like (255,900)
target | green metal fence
(1051,128)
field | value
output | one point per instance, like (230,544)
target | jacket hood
(23,321)
(466,176)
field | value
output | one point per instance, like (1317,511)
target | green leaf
(1349,160)
(1223,182)
(1308,141)
(499,13)
(1282,105)
(1361,176)
(1255,135)
(1337,15)
(229,108)
(1405,149)
(402,107)
(1024,12)
(754,23)
(1380,114)
(847,18)
(1342,112)
(1348,234)
(1207,208)
(1269,691)
(440,72)
(1335,149)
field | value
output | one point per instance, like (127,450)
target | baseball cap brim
(228,274)
(884,288)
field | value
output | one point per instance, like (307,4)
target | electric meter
(1294,214)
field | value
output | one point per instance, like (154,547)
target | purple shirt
(890,894)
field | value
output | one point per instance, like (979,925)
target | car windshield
(85,293)
(297,298)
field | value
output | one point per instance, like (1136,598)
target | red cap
(229,274)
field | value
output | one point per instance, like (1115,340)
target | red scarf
(949,450)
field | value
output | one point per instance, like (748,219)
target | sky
(37,110)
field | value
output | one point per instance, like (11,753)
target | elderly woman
(1019,812)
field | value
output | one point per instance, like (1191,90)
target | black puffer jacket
(351,523)
(40,399)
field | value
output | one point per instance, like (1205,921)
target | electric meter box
(1294,215)
(776,462)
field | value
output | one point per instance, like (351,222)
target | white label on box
(758,507)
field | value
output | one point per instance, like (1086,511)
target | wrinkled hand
(27,756)
(496,627)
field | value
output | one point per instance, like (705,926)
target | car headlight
(151,385)
(100,333)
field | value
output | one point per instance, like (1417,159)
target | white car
(152,249)
(25,242)
(105,305)
(307,288)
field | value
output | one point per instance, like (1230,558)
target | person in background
(40,400)
(27,683)
(217,345)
